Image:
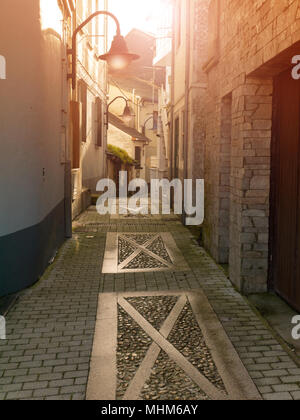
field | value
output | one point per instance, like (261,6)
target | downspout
(67,96)
(106,126)
(171,152)
(187,90)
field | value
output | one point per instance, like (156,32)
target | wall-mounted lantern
(118,56)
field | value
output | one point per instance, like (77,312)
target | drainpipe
(66,89)
(187,90)
(105,139)
(171,152)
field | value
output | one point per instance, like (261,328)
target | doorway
(285,191)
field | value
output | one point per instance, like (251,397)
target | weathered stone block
(260,183)
(262,125)
(247,238)
(264,111)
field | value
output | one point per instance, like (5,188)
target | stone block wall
(253,36)
(198,88)
(250,184)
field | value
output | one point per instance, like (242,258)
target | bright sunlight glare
(51,15)
(140,14)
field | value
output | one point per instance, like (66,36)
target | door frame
(273,179)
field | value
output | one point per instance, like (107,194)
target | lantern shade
(118,56)
(127,114)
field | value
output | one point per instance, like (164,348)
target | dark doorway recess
(285,192)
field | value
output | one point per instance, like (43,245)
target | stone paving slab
(50,329)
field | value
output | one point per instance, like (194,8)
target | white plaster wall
(30,118)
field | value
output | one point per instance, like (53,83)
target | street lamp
(127,115)
(118,56)
(145,123)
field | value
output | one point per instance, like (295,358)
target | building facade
(88,105)
(234,121)
(163,60)
(188,89)
(252,144)
(38,140)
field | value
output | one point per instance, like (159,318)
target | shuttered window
(75,118)
(99,122)
(138,154)
(83,100)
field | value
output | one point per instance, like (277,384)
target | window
(138,155)
(155,120)
(82,87)
(75,118)
(99,123)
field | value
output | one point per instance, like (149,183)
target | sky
(140,14)
(146,15)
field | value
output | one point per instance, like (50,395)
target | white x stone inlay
(142,252)
(103,383)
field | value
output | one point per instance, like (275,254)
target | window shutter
(99,122)
(83,101)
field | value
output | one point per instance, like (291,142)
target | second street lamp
(118,56)
(145,123)
(127,115)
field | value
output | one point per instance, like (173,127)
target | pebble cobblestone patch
(187,337)
(133,344)
(144,260)
(158,248)
(125,250)
(156,309)
(169,382)
(50,329)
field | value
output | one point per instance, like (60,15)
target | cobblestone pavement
(50,329)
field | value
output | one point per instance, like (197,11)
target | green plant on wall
(121,154)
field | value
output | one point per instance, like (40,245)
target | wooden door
(285,209)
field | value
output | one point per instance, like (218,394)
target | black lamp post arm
(100,12)
(117,97)
(145,123)
(150,118)
(74,37)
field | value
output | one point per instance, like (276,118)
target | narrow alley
(165,325)
(149,202)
